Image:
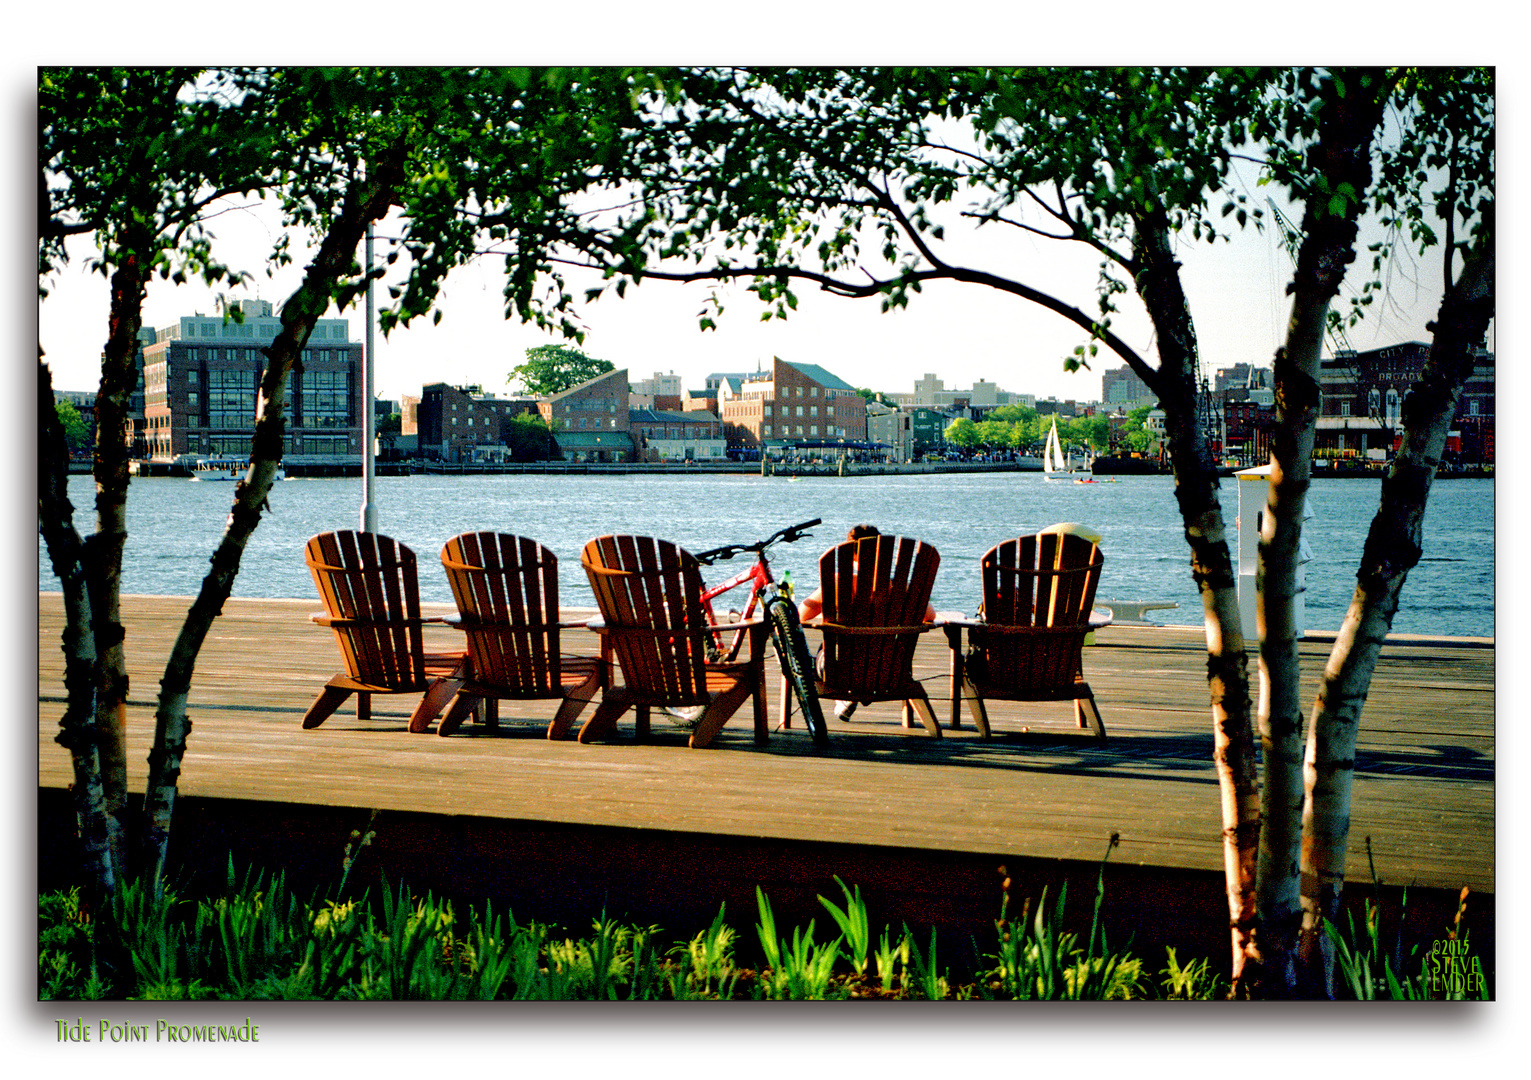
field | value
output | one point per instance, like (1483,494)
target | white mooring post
(1254,486)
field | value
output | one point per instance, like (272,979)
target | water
(174,525)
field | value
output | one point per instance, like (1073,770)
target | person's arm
(812,605)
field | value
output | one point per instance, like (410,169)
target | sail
(1052,458)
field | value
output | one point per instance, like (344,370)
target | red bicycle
(779,612)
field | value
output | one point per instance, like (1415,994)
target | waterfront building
(1362,413)
(892,428)
(590,421)
(202,381)
(791,406)
(927,427)
(453,422)
(671,435)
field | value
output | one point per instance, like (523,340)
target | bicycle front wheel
(796,663)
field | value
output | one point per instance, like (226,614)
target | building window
(766,430)
(1344,408)
(230,398)
(326,399)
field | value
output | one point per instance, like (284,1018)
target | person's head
(861,532)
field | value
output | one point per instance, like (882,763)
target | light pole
(368,410)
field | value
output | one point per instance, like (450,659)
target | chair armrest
(918,628)
(325,619)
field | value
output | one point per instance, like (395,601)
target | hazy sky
(960,332)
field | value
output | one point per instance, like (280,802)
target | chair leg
(603,721)
(976,707)
(457,712)
(571,706)
(921,705)
(786,705)
(437,695)
(722,707)
(1096,724)
(363,705)
(329,699)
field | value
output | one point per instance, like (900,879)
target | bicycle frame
(758,576)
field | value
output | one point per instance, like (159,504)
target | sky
(959,332)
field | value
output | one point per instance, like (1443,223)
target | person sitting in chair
(813,606)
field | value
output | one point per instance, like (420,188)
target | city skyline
(962,333)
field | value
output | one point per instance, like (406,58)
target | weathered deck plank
(1424,792)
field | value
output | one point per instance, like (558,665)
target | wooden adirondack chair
(506,588)
(876,592)
(1028,646)
(372,602)
(649,593)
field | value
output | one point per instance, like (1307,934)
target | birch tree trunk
(105,547)
(1341,159)
(367,200)
(1393,547)
(1196,484)
(77,728)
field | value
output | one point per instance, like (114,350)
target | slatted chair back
(371,592)
(1045,585)
(506,588)
(649,593)
(875,591)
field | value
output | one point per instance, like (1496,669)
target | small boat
(1053,458)
(226,469)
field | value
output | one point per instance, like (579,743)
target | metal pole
(368,410)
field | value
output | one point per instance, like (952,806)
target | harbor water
(174,525)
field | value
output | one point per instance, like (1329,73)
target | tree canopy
(552,369)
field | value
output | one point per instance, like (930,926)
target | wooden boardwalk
(1424,792)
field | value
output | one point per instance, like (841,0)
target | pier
(663,834)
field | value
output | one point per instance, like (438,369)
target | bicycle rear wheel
(796,663)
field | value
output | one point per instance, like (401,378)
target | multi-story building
(791,405)
(1124,389)
(927,428)
(202,380)
(662,392)
(453,423)
(590,421)
(669,435)
(1363,404)
(932,393)
(891,430)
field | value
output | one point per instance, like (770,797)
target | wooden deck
(1424,792)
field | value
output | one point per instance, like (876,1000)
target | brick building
(673,435)
(590,421)
(453,422)
(1363,404)
(202,381)
(791,405)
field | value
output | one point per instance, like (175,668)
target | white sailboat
(1053,458)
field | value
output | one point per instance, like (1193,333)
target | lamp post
(368,410)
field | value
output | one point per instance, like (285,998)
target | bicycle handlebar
(790,535)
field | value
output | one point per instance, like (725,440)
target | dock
(663,833)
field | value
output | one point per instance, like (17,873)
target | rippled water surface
(174,525)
